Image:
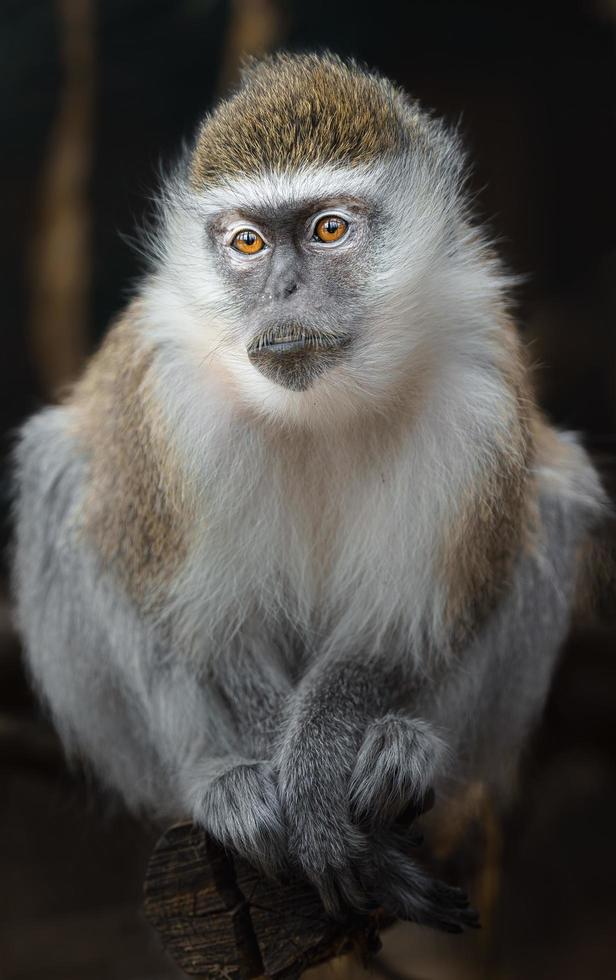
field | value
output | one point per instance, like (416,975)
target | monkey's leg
(327,719)
(160,730)
(334,713)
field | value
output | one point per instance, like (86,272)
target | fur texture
(296,111)
(288,611)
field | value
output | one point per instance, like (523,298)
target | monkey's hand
(237,803)
(395,768)
(339,804)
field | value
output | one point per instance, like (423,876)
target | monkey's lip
(297,343)
(286,345)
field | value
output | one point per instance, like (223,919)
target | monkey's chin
(294,374)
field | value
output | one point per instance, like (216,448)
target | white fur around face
(336,498)
(430,290)
(339,536)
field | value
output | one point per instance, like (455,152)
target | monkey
(299,546)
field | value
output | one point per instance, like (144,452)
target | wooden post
(218,918)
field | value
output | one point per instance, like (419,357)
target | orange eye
(331,228)
(248,242)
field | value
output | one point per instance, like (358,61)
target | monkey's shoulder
(544,515)
(107,447)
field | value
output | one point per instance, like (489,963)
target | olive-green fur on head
(295,110)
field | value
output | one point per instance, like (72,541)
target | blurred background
(97,94)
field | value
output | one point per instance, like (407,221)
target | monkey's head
(318,231)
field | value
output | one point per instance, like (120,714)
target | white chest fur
(337,534)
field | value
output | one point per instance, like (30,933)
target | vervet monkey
(299,545)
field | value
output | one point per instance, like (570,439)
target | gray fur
(286,699)
(242,748)
(396,766)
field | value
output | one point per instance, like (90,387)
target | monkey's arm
(170,740)
(349,764)
(351,760)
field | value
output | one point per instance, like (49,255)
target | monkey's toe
(405,891)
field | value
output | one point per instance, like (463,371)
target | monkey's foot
(404,890)
(395,769)
(376,872)
(239,807)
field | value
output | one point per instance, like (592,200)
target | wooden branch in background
(60,260)
(256,27)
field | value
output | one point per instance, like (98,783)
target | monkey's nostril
(290,288)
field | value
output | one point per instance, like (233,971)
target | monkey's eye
(248,242)
(331,228)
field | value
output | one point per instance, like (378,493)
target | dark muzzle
(296,358)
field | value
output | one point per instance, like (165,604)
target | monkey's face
(307,288)
(315,290)
(295,277)
(315,237)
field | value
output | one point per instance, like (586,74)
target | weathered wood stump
(219,918)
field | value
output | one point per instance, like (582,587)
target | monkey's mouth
(295,357)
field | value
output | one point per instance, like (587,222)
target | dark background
(97,94)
